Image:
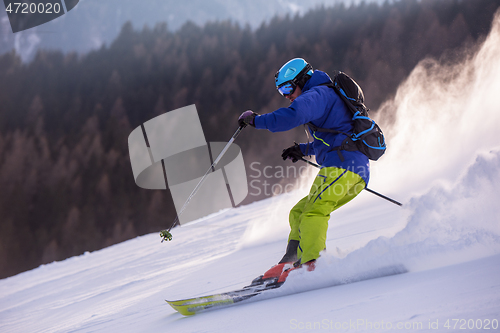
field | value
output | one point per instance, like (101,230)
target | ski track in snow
(447,235)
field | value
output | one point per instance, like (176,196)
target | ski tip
(192,306)
(182,309)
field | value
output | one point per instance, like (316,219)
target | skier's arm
(280,120)
(307,107)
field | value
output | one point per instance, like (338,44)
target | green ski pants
(332,188)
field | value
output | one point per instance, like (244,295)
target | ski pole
(366,188)
(384,197)
(165,234)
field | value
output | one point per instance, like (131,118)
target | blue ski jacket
(321,106)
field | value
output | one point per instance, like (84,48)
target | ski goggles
(286,88)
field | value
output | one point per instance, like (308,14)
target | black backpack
(367,137)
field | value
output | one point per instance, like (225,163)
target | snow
(447,235)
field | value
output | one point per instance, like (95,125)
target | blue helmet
(290,74)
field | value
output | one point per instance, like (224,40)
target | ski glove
(293,153)
(247,118)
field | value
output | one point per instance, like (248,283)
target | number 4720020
(32,8)
(471,324)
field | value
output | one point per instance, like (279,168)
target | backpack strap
(315,128)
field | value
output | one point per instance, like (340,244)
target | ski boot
(273,274)
(310,266)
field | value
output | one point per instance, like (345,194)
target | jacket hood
(318,78)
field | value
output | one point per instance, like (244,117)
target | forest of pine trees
(65,174)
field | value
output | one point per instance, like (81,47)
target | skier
(343,175)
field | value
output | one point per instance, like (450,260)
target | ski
(194,305)
(191,306)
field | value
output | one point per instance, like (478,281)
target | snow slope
(443,162)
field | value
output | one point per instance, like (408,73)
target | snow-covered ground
(122,288)
(443,162)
